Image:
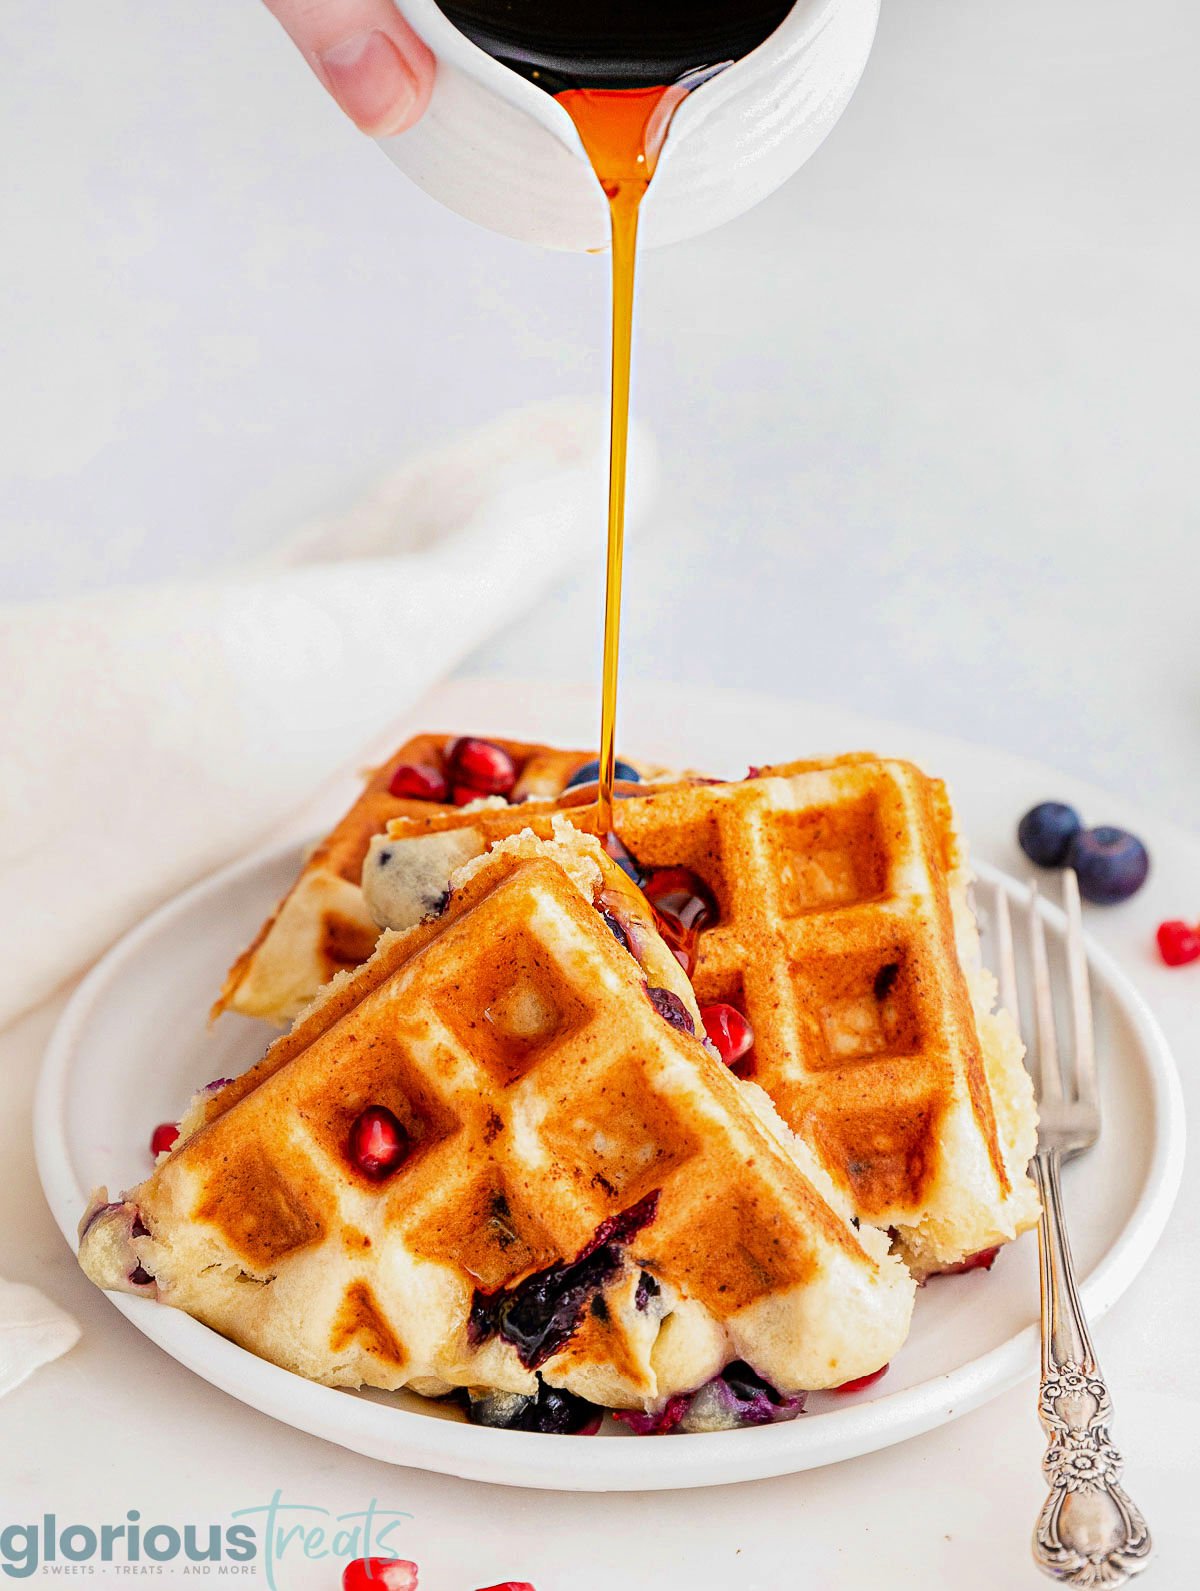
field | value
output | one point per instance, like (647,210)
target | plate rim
(526,1459)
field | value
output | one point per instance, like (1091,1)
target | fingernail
(371,81)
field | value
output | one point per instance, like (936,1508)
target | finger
(367,56)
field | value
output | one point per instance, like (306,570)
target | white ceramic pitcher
(503,152)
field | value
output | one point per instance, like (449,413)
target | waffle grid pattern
(513,1040)
(836,939)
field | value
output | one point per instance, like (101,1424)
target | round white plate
(133,1044)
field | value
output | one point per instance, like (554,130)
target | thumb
(367,56)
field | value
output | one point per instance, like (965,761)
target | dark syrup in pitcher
(621,44)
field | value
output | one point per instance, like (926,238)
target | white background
(928,427)
(927,417)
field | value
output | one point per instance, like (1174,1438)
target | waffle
(846,937)
(321,926)
(554,1119)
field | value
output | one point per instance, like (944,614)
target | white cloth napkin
(148,735)
(32,1332)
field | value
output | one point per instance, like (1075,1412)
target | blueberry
(757,1397)
(553,1411)
(672,1009)
(1111,865)
(557,1412)
(615,928)
(738,1397)
(1046,832)
(590,772)
(647,1289)
(542,1312)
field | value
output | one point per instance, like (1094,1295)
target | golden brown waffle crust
(528,1138)
(847,937)
(902,1153)
(321,926)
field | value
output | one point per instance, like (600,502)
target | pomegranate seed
(683,906)
(378,1143)
(379,1574)
(418,781)
(667,1418)
(487,768)
(463,794)
(982,1261)
(509,1585)
(1178,943)
(728,1029)
(678,891)
(163,1137)
(860,1382)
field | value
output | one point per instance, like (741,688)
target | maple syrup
(683,908)
(622,130)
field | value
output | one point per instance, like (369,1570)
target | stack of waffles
(563,1187)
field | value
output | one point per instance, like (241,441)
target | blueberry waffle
(824,908)
(496,1157)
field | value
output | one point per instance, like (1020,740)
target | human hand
(367,56)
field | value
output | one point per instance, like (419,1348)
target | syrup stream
(623,131)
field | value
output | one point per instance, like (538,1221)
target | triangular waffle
(845,935)
(321,925)
(555,1118)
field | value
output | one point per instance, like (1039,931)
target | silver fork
(1089,1533)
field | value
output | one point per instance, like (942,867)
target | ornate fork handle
(1089,1533)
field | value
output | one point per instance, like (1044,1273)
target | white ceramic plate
(133,1045)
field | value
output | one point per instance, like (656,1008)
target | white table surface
(117,1424)
(927,422)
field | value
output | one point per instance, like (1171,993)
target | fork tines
(1070,1084)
